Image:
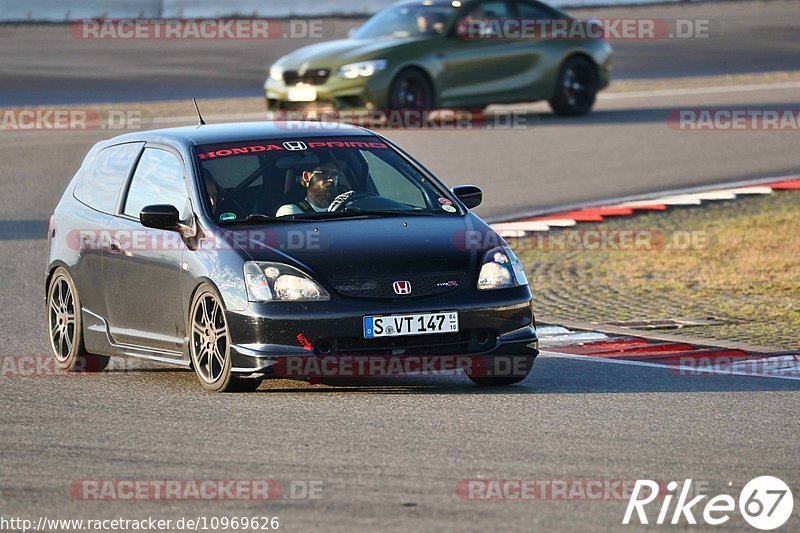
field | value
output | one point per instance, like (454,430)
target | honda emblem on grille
(402,288)
(295,145)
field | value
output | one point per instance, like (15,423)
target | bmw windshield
(406,21)
(316,178)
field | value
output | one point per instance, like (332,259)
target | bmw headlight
(363,69)
(269,282)
(276,72)
(501,269)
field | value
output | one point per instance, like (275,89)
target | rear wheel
(576,87)
(65,328)
(210,346)
(411,90)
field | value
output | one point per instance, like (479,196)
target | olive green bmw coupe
(425,54)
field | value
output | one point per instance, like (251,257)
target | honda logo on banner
(295,145)
(402,288)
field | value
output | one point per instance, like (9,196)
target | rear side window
(102,178)
(158,180)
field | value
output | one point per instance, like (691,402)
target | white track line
(676,369)
(721,89)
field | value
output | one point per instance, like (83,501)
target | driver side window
(484,18)
(158,180)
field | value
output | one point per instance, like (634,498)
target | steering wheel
(346,199)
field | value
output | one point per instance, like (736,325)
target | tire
(210,346)
(65,327)
(576,87)
(483,380)
(411,89)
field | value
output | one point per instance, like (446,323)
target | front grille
(311,77)
(461,343)
(421,285)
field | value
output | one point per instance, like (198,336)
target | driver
(431,23)
(322,185)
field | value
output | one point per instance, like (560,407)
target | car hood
(373,247)
(334,54)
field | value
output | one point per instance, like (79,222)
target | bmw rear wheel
(64,327)
(576,87)
(210,345)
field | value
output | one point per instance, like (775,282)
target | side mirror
(160,217)
(470,195)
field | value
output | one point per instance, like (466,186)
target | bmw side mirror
(470,195)
(160,217)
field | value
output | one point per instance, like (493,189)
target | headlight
(501,269)
(276,72)
(364,69)
(269,282)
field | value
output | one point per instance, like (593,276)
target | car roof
(241,131)
(428,2)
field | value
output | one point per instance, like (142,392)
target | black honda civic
(259,250)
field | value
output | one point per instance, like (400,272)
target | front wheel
(411,90)
(210,346)
(576,88)
(65,328)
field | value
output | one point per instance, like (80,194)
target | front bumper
(266,334)
(333,95)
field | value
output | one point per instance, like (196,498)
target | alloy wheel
(61,321)
(209,338)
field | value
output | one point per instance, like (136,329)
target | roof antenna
(200,121)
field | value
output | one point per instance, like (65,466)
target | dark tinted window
(535,12)
(158,180)
(103,176)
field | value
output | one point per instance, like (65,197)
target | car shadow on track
(550,375)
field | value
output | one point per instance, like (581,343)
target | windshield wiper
(389,212)
(257,218)
(356,213)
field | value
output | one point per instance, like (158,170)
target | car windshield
(405,21)
(314,178)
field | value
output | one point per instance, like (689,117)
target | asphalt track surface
(390,452)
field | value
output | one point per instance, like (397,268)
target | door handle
(114,245)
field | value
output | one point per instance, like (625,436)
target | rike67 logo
(765,503)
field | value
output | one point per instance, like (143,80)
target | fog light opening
(325,347)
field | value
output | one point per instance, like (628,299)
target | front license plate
(302,93)
(417,324)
